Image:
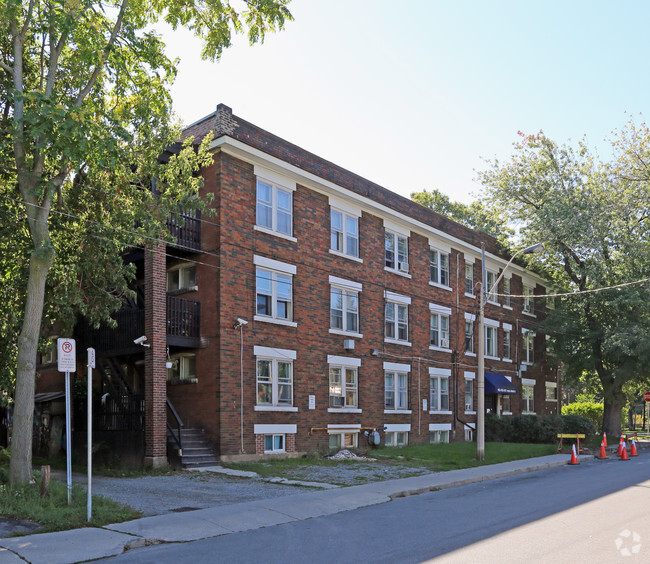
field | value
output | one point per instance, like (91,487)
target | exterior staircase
(197,450)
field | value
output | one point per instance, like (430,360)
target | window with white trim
(469,336)
(436,437)
(337,441)
(469,279)
(439,325)
(274,294)
(505,404)
(506,292)
(183,368)
(344,229)
(529,301)
(52,354)
(396,251)
(181,277)
(396,438)
(439,267)
(344,388)
(469,394)
(506,344)
(528,341)
(274,382)
(395,390)
(397,321)
(551,391)
(344,309)
(274,207)
(490,341)
(491,279)
(274,443)
(527,398)
(439,389)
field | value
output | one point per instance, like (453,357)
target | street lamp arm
(528,250)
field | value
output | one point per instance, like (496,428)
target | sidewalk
(92,543)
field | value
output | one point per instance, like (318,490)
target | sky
(420,94)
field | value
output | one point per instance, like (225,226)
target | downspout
(241,386)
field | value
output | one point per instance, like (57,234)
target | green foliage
(534,428)
(589,410)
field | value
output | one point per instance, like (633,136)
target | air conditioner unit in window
(337,401)
(527,308)
(348,344)
(403,266)
(444,343)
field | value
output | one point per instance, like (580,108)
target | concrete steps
(197,450)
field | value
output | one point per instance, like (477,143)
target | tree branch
(7,68)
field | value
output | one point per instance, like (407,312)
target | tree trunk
(20,465)
(614,400)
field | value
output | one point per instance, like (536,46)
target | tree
(595,225)
(473,215)
(84,114)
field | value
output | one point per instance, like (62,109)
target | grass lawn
(436,458)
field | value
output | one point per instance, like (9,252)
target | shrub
(534,428)
(588,409)
(578,424)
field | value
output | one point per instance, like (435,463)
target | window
(439,336)
(274,207)
(469,336)
(506,292)
(529,302)
(396,251)
(551,391)
(181,278)
(529,346)
(469,279)
(506,344)
(343,386)
(52,354)
(436,437)
(469,435)
(183,369)
(343,440)
(527,397)
(439,267)
(274,443)
(274,290)
(274,380)
(396,390)
(397,317)
(396,438)
(490,341)
(505,404)
(491,279)
(439,389)
(344,309)
(344,233)
(469,394)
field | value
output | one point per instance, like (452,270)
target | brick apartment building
(315,306)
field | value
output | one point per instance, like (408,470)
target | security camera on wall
(242,321)
(141,341)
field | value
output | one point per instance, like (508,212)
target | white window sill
(470,354)
(529,314)
(526,363)
(507,307)
(506,360)
(343,255)
(397,411)
(507,413)
(398,272)
(275,451)
(396,342)
(528,413)
(441,286)
(551,400)
(275,233)
(492,357)
(470,413)
(440,413)
(432,348)
(343,410)
(473,296)
(275,408)
(497,304)
(346,333)
(275,321)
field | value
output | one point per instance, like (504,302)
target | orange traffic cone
(624,455)
(605,439)
(574,458)
(603,454)
(621,445)
(633,451)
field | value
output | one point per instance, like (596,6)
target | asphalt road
(595,512)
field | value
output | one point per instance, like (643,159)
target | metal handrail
(177,437)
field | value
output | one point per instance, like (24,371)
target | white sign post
(67,356)
(91,365)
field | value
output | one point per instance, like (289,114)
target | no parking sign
(67,354)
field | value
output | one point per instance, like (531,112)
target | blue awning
(496,383)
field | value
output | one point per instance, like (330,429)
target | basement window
(274,443)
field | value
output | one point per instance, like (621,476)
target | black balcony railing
(183,322)
(186,229)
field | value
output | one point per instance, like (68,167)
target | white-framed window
(469,279)
(397,318)
(181,277)
(52,354)
(439,389)
(528,340)
(344,386)
(507,348)
(183,368)
(439,326)
(439,267)
(274,377)
(551,391)
(469,435)
(527,395)
(529,301)
(274,290)
(344,233)
(469,391)
(344,305)
(506,292)
(274,443)
(396,251)
(491,279)
(439,432)
(505,404)
(343,436)
(469,335)
(396,378)
(396,438)
(490,339)
(274,207)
